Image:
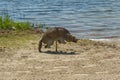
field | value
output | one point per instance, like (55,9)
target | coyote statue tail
(40,45)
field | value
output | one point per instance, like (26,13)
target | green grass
(18,39)
(6,23)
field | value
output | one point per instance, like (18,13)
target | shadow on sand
(61,52)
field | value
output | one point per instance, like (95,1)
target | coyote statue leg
(49,43)
(56,46)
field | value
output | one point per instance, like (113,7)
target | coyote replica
(56,34)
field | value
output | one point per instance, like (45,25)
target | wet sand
(84,60)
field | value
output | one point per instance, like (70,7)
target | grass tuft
(6,23)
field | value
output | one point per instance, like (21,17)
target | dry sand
(85,60)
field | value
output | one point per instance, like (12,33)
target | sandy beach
(84,60)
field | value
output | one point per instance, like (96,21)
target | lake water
(93,19)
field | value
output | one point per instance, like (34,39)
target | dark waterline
(84,18)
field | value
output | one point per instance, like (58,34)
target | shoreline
(108,40)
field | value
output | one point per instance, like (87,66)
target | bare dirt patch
(85,60)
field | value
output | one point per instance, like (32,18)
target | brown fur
(56,34)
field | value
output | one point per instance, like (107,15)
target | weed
(6,23)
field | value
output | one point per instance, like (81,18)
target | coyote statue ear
(74,39)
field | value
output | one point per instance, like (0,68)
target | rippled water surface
(84,18)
